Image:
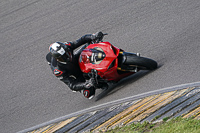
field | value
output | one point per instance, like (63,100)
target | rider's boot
(88,93)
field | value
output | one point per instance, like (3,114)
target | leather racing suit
(70,72)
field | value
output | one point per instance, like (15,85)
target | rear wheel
(141,62)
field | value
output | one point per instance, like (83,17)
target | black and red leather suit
(70,72)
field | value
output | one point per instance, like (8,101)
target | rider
(64,64)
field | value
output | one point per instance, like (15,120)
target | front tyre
(142,63)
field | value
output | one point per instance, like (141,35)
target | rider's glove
(97,36)
(89,83)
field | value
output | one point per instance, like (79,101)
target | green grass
(175,125)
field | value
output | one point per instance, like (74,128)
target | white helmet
(61,52)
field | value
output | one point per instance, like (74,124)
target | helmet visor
(64,58)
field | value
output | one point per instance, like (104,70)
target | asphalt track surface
(166,31)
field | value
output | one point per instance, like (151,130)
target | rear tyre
(141,62)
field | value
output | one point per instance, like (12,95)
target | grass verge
(175,125)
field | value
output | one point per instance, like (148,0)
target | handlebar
(100,39)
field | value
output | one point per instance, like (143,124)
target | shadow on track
(112,87)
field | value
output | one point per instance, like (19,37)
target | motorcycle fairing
(87,59)
(106,65)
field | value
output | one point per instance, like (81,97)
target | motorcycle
(109,64)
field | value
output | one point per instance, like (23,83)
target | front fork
(130,68)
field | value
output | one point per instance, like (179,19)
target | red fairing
(106,66)
(85,64)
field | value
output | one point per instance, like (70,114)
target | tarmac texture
(167,31)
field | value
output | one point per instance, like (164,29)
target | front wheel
(142,63)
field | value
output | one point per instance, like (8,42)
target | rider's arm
(84,39)
(72,83)
(88,38)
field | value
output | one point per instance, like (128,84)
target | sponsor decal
(86,93)
(68,44)
(57,72)
(61,51)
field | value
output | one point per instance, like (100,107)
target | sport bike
(109,64)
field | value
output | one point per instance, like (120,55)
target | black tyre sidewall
(141,62)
